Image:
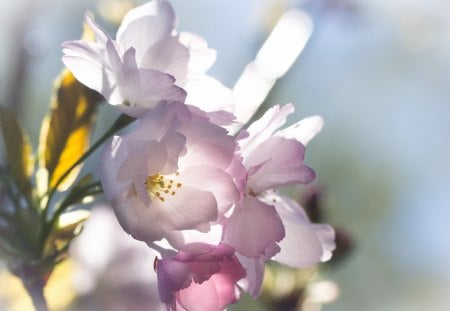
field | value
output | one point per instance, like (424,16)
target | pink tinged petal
(263,128)
(214,180)
(112,157)
(254,229)
(208,143)
(215,294)
(160,120)
(153,87)
(171,275)
(201,57)
(174,143)
(156,86)
(239,173)
(254,268)
(275,163)
(210,282)
(221,118)
(304,130)
(145,25)
(189,208)
(138,219)
(146,158)
(305,243)
(169,56)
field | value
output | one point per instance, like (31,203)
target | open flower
(274,226)
(174,171)
(202,277)
(148,61)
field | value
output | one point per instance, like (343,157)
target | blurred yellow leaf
(66,131)
(18,151)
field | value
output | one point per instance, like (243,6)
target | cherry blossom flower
(148,61)
(201,277)
(275,226)
(174,171)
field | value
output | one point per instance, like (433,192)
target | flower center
(160,186)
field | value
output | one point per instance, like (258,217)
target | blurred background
(378,71)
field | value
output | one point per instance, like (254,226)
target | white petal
(169,56)
(274,58)
(100,35)
(209,94)
(201,57)
(304,130)
(263,128)
(145,25)
(86,61)
(305,243)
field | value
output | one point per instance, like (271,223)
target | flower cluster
(205,200)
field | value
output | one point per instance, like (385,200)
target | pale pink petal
(263,128)
(174,143)
(189,208)
(159,120)
(201,277)
(171,275)
(304,130)
(305,244)
(169,56)
(275,163)
(153,87)
(252,282)
(220,117)
(215,180)
(137,219)
(214,294)
(143,26)
(208,143)
(146,157)
(112,157)
(254,229)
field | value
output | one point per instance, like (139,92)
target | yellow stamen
(158,185)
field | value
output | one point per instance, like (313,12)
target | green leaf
(66,131)
(18,151)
